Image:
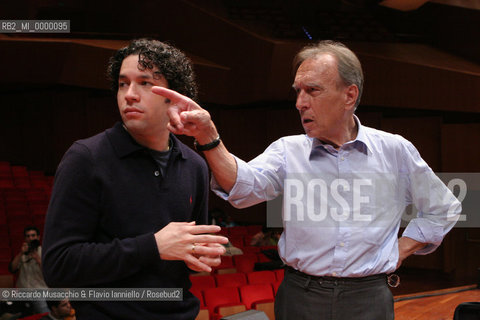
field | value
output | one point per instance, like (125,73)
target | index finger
(178,104)
(174,97)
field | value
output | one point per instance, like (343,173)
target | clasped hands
(191,243)
(182,240)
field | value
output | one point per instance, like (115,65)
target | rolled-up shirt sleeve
(243,183)
(259,180)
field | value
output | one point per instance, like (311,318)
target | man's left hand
(407,247)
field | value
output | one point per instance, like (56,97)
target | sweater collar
(124,144)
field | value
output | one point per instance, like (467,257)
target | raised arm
(188,118)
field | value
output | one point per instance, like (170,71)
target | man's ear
(351,95)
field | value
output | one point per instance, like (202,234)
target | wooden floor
(438,307)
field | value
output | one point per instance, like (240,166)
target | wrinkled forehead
(319,68)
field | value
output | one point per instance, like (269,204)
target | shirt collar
(362,135)
(124,144)
(360,140)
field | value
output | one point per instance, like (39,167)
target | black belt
(336,279)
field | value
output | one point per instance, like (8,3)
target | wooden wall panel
(24,128)
(243,131)
(423,132)
(460,153)
(282,122)
(38,125)
(369,118)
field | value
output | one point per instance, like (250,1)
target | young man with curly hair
(129,205)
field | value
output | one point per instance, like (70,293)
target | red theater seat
(203,282)
(253,229)
(261,277)
(226,266)
(34,317)
(256,293)
(223,301)
(245,262)
(279,274)
(231,279)
(259,297)
(237,231)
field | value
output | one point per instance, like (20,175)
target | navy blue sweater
(107,202)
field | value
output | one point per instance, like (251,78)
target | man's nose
(132,93)
(302,101)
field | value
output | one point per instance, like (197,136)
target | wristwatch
(208,146)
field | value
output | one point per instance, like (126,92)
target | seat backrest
(256,292)
(215,297)
(253,229)
(236,241)
(245,262)
(237,231)
(203,282)
(251,249)
(261,277)
(275,286)
(231,279)
(34,317)
(226,263)
(279,274)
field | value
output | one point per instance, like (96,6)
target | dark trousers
(305,297)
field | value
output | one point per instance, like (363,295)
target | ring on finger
(193,247)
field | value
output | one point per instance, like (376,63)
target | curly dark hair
(171,63)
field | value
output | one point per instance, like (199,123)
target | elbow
(50,275)
(55,272)
(454,213)
(52,281)
(238,204)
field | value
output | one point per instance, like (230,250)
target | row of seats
(19,207)
(24,197)
(237,279)
(20,177)
(219,302)
(225,294)
(234,286)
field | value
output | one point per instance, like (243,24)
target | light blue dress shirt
(342,208)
